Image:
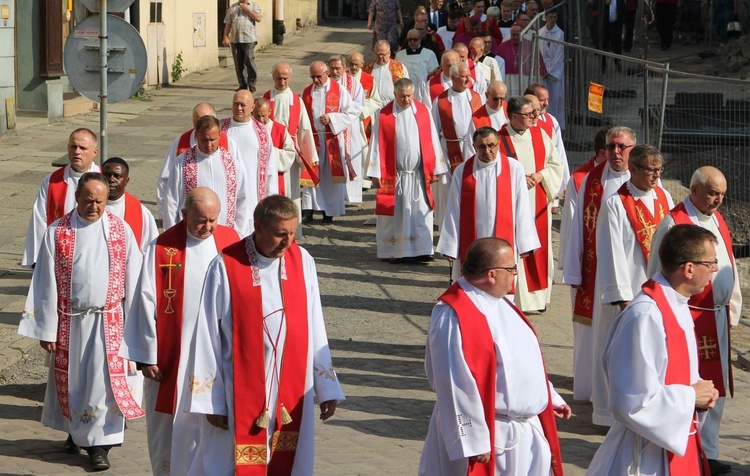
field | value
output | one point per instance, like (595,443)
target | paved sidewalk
(376,313)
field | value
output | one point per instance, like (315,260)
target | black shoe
(327,219)
(307,216)
(98,456)
(424,258)
(70,447)
(241,88)
(717,467)
(252,89)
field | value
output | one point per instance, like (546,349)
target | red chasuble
(536,265)
(481,358)
(332,142)
(452,141)
(581,172)
(251,456)
(385,200)
(169,281)
(644,224)
(57,190)
(678,373)
(702,308)
(134,217)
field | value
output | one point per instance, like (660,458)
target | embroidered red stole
(57,191)
(702,307)
(184,143)
(481,358)
(251,456)
(264,151)
(368,84)
(452,141)
(278,133)
(112,314)
(583,308)
(134,217)
(678,373)
(397,70)
(581,172)
(536,265)
(644,224)
(333,152)
(169,283)
(190,178)
(385,200)
(349,84)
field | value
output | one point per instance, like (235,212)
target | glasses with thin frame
(511,269)
(620,147)
(708,264)
(650,170)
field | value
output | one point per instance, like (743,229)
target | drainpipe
(278,22)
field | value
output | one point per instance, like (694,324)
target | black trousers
(666,14)
(244,58)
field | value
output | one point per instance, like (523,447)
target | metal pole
(663,104)
(647,113)
(103,153)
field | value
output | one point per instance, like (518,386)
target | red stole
(580,173)
(169,283)
(452,141)
(481,358)
(545,122)
(583,308)
(504,224)
(481,118)
(536,265)
(678,373)
(704,316)
(472,71)
(134,217)
(184,143)
(435,84)
(640,218)
(278,133)
(251,457)
(333,96)
(57,191)
(385,200)
(368,83)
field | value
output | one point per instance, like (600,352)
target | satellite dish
(126,63)
(114,6)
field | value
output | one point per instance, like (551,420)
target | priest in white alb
(373,103)
(286,153)
(385,70)
(438,80)
(493,114)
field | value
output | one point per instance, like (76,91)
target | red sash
(472,71)
(134,217)
(640,218)
(580,173)
(678,373)
(278,133)
(536,265)
(480,118)
(184,143)
(452,141)
(57,191)
(481,359)
(704,316)
(436,85)
(331,141)
(111,316)
(545,122)
(251,455)
(169,284)
(368,83)
(583,308)
(385,200)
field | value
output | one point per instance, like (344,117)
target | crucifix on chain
(170,292)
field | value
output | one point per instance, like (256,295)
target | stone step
(225,57)
(77,105)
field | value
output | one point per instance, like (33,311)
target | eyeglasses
(651,170)
(486,146)
(708,264)
(622,147)
(527,114)
(511,269)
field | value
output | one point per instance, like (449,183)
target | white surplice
(357,141)
(149,231)
(211,174)
(525,235)
(551,179)
(620,273)
(384,81)
(212,362)
(458,429)
(167,166)
(408,232)
(419,64)
(650,417)
(95,419)
(372,106)
(329,196)
(38,221)
(172,439)
(583,336)
(558,141)
(726,292)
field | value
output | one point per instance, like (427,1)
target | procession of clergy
(448,152)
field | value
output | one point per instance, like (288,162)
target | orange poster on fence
(596,98)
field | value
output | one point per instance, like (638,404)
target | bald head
(462,50)
(282,75)
(243,103)
(449,58)
(708,186)
(355,63)
(496,94)
(203,109)
(201,212)
(262,111)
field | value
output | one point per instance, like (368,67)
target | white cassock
(357,142)
(245,137)
(95,419)
(212,359)
(461,108)
(650,417)
(497,120)
(583,335)
(172,439)
(520,445)
(384,81)
(210,174)
(148,226)
(496,65)
(553,55)
(552,176)
(525,235)
(620,273)
(558,141)
(726,291)
(167,166)
(484,76)
(372,106)
(422,91)
(285,157)
(38,222)
(419,65)
(329,196)
(408,232)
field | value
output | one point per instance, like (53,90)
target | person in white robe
(581,243)
(82,149)
(209,165)
(181,143)
(553,55)
(487,167)
(408,232)
(173,437)
(495,63)
(385,70)
(255,151)
(438,80)
(330,194)
(286,153)
(79,319)
(708,187)
(373,103)
(654,417)
(447,32)
(551,126)
(621,263)
(459,434)
(213,388)
(418,60)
